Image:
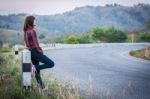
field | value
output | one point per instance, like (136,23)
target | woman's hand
(39,49)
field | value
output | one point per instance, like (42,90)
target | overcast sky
(50,7)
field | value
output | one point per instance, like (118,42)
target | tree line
(98,35)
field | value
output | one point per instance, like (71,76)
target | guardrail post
(53,44)
(26,69)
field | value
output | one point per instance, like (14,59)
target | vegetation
(143,37)
(148,24)
(71,39)
(78,39)
(139,54)
(42,36)
(4,50)
(11,84)
(98,35)
(109,35)
(84,38)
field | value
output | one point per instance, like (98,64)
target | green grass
(139,54)
(5,50)
(11,82)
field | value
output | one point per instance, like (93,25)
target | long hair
(29,22)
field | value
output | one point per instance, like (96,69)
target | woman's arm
(35,42)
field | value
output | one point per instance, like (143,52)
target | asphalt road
(104,71)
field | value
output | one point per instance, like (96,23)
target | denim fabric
(37,57)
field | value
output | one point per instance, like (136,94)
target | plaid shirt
(31,41)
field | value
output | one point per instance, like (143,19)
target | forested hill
(82,19)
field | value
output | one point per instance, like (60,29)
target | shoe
(39,81)
(45,88)
(42,86)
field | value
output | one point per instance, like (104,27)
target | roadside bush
(71,39)
(115,35)
(42,36)
(78,39)
(99,34)
(109,35)
(144,37)
(84,39)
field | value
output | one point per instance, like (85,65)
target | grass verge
(11,82)
(138,54)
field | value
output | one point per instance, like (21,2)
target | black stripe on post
(16,52)
(26,67)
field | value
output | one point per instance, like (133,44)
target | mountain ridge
(83,19)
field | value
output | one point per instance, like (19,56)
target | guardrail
(64,46)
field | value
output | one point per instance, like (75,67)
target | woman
(31,42)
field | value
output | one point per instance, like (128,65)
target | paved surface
(108,69)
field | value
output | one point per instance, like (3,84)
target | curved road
(104,71)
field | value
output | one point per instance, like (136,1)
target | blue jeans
(37,57)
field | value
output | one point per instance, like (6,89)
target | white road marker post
(26,69)
(16,52)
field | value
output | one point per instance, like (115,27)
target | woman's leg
(37,73)
(37,57)
(48,63)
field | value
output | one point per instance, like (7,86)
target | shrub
(71,39)
(42,36)
(84,38)
(144,37)
(109,35)
(115,35)
(99,34)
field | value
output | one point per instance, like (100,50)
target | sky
(51,7)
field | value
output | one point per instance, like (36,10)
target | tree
(148,24)
(84,38)
(71,39)
(109,35)
(145,37)
(115,35)
(99,34)
(42,36)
